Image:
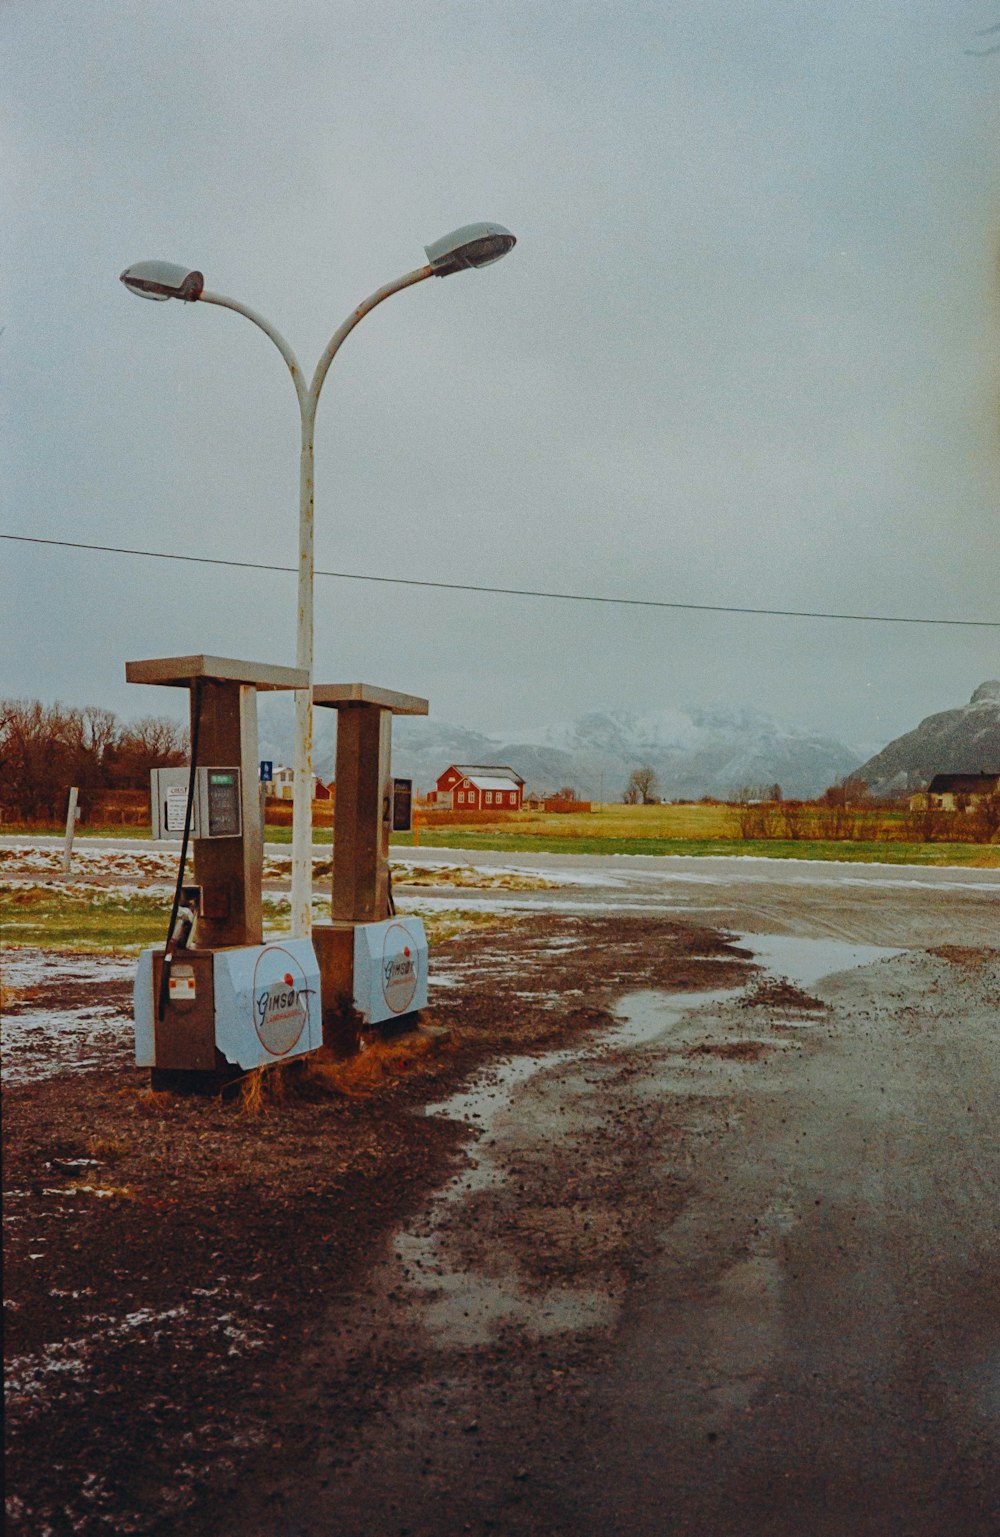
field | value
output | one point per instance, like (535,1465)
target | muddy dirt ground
(167,1261)
(721,1262)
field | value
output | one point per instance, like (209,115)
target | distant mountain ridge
(699,751)
(961,741)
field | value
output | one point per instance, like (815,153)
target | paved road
(656,869)
(877,904)
(816,1347)
(874,904)
(702,867)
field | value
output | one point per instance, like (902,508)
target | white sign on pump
(175,807)
(390,969)
(267,1003)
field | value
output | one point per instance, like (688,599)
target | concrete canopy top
(334,695)
(181,671)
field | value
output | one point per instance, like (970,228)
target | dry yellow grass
(462,877)
(378,1062)
(151,1102)
(9,995)
(87,1187)
(253,1094)
(321,1074)
(614,821)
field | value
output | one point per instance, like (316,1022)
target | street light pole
(308,398)
(475,245)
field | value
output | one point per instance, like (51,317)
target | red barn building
(478,787)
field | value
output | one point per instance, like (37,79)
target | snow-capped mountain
(699,751)
(962,741)
(694,752)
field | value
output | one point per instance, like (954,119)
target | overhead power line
(510,592)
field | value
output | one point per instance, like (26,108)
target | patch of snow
(25,967)
(32,1377)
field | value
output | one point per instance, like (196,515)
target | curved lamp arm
(269,330)
(363,309)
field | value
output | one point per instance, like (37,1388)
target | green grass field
(889,852)
(104,923)
(699,830)
(93,923)
(880,836)
(113,830)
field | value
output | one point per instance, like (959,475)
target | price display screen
(223,803)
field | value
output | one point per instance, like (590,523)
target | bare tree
(100,730)
(643,786)
(155,741)
(46,748)
(40,756)
(984,819)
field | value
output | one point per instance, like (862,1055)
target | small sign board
(175,808)
(402,805)
(266,771)
(168,803)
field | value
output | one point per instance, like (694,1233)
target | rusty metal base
(174,1080)
(334,946)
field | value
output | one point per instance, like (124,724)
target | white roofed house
(280,787)
(479,787)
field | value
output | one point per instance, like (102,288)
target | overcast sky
(745,351)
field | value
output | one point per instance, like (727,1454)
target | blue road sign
(266,771)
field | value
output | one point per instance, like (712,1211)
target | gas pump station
(373,964)
(215,1000)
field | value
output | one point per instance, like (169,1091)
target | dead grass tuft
(153,1102)
(263,1087)
(376,1064)
(106,1149)
(973,956)
(9,996)
(779,993)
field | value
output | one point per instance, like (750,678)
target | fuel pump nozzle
(182,933)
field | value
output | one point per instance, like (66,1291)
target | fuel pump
(214,1000)
(371,961)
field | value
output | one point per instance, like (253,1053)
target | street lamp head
(163,280)
(474,245)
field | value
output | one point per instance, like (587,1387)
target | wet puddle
(805,961)
(464,1307)
(646,1016)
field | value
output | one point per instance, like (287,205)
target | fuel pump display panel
(218,791)
(215,808)
(402,805)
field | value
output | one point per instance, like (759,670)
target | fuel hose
(168,953)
